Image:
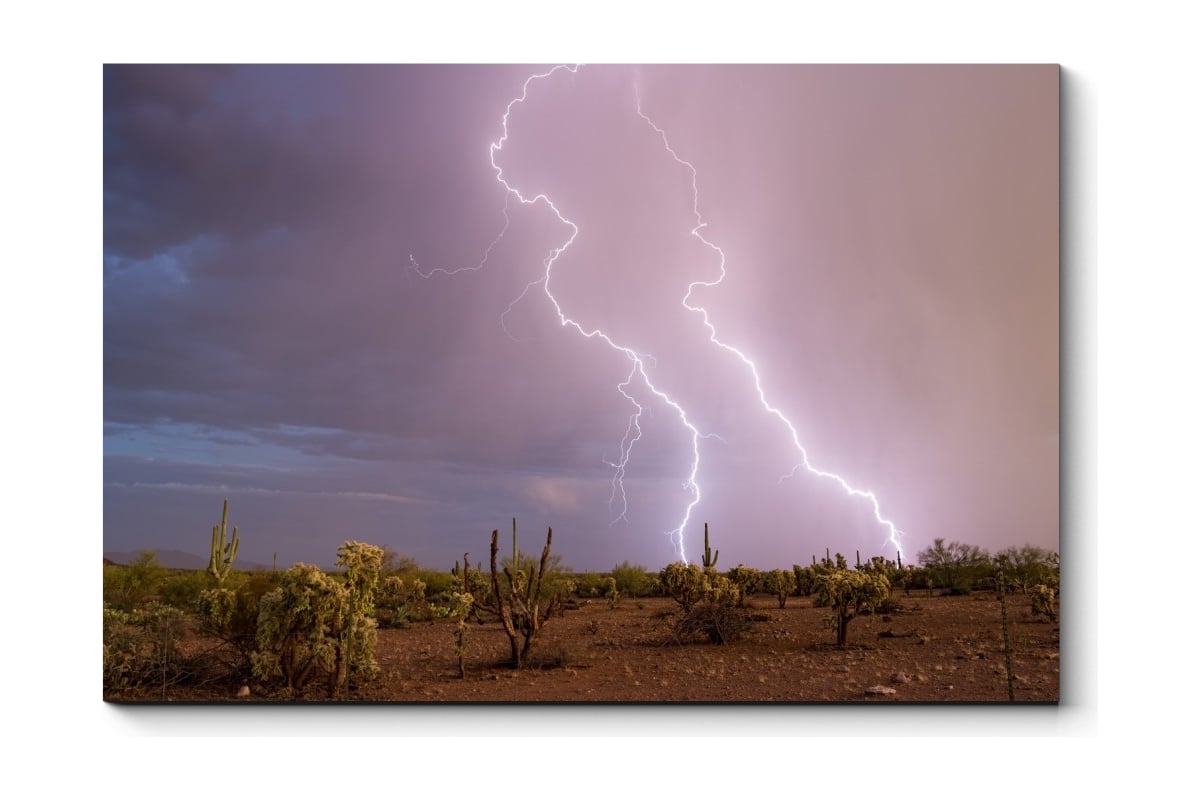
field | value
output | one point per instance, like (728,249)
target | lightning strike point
(894,533)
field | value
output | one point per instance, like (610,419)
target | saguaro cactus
(223,553)
(710,557)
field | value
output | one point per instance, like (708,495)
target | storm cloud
(890,236)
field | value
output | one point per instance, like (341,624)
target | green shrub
(909,577)
(182,588)
(1028,566)
(632,579)
(438,585)
(126,588)
(141,648)
(960,585)
(588,584)
(956,567)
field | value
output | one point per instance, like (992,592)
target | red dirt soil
(932,650)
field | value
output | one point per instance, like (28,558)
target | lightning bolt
(894,533)
(633,432)
(637,360)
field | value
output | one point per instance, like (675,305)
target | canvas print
(581,383)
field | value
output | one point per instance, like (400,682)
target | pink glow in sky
(891,246)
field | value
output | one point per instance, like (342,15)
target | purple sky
(891,245)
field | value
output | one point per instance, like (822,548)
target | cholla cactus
(709,601)
(216,607)
(849,593)
(522,609)
(1043,601)
(400,602)
(719,590)
(683,583)
(878,565)
(610,591)
(364,564)
(295,625)
(781,583)
(748,579)
(313,623)
(357,633)
(461,605)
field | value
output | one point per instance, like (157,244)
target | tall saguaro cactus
(223,553)
(710,557)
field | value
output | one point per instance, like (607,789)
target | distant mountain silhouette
(177,559)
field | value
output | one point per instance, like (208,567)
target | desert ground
(932,649)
